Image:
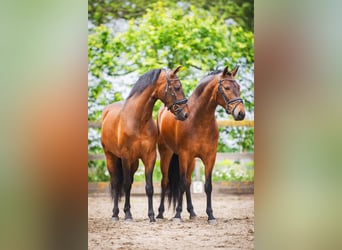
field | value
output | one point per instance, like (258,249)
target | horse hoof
(193,217)
(129,219)
(212,221)
(152,220)
(177,220)
(160,216)
(115,218)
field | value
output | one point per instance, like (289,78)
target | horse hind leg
(165,158)
(114,166)
(190,207)
(183,166)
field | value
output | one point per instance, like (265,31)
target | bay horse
(180,142)
(129,133)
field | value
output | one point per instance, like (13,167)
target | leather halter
(236,100)
(175,105)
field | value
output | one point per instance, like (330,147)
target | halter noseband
(169,90)
(238,100)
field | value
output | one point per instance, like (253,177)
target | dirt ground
(234,228)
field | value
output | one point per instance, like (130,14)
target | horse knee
(208,187)
(149,190)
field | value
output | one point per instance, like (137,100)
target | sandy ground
(234,228)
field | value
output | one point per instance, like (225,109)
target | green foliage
(97,171)
(167,37)
(244,136)
(231,171)
(100,11)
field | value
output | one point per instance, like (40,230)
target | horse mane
(205,80)
(144,81)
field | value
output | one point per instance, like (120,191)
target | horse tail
(116,180)
(173,186)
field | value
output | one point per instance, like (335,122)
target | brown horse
(129,133)
(180,142)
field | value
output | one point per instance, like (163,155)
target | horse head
(228,93)
(173,95)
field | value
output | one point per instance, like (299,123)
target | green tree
(169,37)
(101,11)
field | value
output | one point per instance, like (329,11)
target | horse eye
(227,88)
(177,88)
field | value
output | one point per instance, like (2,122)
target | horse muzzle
(239,114)
(180,109)
(181,116)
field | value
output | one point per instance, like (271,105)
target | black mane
(214,72)
(204,82)
(144,81)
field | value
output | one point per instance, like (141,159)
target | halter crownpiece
(238,100)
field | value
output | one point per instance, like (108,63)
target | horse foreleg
(149,162)
(209,164)
(165,158)
(127,187)
(190,207)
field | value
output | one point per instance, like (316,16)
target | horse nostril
(241,114)
(186,115)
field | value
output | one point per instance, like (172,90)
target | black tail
(116,181)
(173,186)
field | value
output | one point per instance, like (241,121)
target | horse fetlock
(151,216)
(161,209)
(127,208)
(192,213)
(128,215)
(115,212)
(209,211)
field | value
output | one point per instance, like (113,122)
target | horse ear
(177,69)
(225,71)
(235,70)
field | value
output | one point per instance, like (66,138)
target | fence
(219,156)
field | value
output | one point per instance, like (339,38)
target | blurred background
(44,136)
(129,38)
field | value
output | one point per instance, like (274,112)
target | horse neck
(141,106)
(203,107)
